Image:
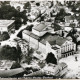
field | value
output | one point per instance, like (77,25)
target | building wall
(52,30)
(42,48)
(3,29)
(57,52)
(38,33)
(68,46)
(25,36)
(34,43)
(8,28)
(35,32)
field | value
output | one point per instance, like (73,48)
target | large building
(44,39)
(7,25)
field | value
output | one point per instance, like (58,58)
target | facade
(7,25)
(43,40)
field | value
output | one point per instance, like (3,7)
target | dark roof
(52,39)
(56,27)
(39,27)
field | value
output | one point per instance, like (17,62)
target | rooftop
(52,39)
(39,27)
(43,25)
(57,27)
(6,23)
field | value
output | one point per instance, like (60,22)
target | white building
(7,25)
(43,40)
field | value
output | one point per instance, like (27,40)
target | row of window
(67,48)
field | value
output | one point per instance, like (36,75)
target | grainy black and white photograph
(40,39)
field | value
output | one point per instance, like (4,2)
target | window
(68,48)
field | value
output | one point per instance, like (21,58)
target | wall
(42,48)
(35,32)
(68,46)
(34,43)
(25,36)
(3,29)
(49,49)
(38,33)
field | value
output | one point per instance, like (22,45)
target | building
(7,25)
(42,28)
(44,39)
(51,69)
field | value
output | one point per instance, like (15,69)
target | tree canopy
(9,53)
(27,6)
(8,12)
(4,36)
(51,58)
(60,16)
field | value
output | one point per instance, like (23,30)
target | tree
(51,58)
(60,16)
(38,4)
(27,6)
(19,52)
(9,53)
(73,35)
(5,36)
(8,12)
(15,65)
(29,56)
(18,23)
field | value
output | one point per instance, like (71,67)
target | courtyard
(73,63)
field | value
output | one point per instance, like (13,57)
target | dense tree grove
(61,16)
(51,58)
(8,12)
(10,53)
(4,36)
